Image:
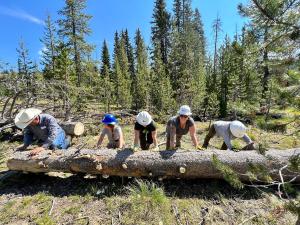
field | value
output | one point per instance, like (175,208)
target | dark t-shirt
(145,130)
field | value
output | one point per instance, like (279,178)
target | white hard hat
(144,118)
(185,110)
(237,128)
(26,116)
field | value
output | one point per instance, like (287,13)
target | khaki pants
(211,134)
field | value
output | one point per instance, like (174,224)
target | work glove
(135,148)
(155,148)
(199,147)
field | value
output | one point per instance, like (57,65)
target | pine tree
(186,62)
(178,15)
(217,29)
(105,60)
(74,27)
(161,92)
(129,52)
(200,31)
(121,76)
(276,25)
(63,73)
(141,94)
(26,68)
(160,30)
(131,60)
(49,53)
(225,72)
(107,88)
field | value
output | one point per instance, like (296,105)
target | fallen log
(164,164)
(72,128)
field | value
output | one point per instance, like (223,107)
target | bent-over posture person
(180,125)
(228,131)
(113,132)
(41,127)
(145,132)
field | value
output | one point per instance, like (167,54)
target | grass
(35,208)
(101,201)
(146,203)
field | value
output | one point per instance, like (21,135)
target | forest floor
(60,198)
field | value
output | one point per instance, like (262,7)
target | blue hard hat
(109,119)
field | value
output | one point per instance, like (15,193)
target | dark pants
(146,140)
(211,134)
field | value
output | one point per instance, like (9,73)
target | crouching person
(145,132)
(180,125)
(228,131)
(43,128)
(112,131)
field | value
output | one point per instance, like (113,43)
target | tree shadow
(19,184)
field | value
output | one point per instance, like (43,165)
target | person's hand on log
(135,148)
(155,148)
(199,147)
(36,151)
(21,148)
(249,146)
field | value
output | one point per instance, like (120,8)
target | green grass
(145,190)
(146,203)
(34,208)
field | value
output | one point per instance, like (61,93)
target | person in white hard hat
(180,125)
(228,131)
(41,127)
(145,132)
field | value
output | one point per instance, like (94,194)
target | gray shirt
(174,122)
(222,129)
(45,132)
(113,136)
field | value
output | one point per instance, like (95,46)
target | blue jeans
(61,141)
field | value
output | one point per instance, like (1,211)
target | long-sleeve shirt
(45,132)
(223,130)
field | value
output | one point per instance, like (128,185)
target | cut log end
(73,128)
(78,129)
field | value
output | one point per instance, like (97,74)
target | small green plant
(148,190)
(73,210)
(45,220)
(262,147)
(236,144)
(295,163)
(258,172)
(228,173)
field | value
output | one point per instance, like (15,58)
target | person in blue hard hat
(113,132)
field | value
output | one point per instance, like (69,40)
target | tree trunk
(164,164)
(73,128)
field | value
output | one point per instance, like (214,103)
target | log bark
(164,164)
(73,128)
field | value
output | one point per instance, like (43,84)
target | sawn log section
(164,164)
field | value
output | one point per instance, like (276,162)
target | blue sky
(24,19)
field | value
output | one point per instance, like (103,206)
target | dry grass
(110,201)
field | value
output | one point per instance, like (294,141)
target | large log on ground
(73,128)
(164,164)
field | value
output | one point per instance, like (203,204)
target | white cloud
(21,14)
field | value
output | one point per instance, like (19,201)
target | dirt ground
(59,198)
